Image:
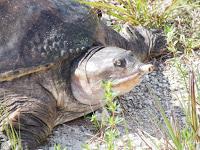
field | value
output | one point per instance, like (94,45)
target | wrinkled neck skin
(57,83)
(90,95)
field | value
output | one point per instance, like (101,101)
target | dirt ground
(138,107)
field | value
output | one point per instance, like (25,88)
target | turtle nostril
(151,68)
(146,68)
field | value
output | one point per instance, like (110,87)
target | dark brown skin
(39,32)
(144,43)
(35,105)
(35,33)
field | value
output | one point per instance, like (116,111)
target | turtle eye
(119,63)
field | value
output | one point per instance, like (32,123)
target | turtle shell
(35,34)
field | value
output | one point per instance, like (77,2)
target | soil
(166,85)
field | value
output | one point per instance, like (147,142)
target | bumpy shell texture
(35,34)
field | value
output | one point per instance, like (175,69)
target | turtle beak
(136,74)
(127,83)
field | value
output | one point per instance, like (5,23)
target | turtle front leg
(32,119)
(146,43)
(143,42)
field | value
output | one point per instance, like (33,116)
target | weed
(58,147)
(187,136)
(107,126)
(180,22)
(175,17)
(137,12)
(12,134)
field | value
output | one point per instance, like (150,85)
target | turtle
(54,55)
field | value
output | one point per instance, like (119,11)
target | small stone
(34,49)
(82,128)
(46,48)
(51,148)
(71,51)
(129,98)
(43,54)
(78,50)
(83,48)
(62,52)
(66,44)
(55,45)
(60,44)
(51,48)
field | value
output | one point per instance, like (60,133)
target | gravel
(139,109)
(166,85)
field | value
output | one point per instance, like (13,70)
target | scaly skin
(39,42)
(144,43)
(35,104)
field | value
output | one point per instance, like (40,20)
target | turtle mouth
(129,81)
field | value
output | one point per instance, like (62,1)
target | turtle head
(112,64)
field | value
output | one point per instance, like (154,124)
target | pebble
(140,110)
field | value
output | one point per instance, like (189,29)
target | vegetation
(186,137)
(58,147)
(137,12)
(12,134)
(107,124)
(179,138)
(182,29)
(175,18)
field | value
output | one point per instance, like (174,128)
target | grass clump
(180,21)
(146,13)
(178,18)
(59,147)
(180,133)
(107,124)
(13,136)
(182,28)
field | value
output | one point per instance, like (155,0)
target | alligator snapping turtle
(54,55)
